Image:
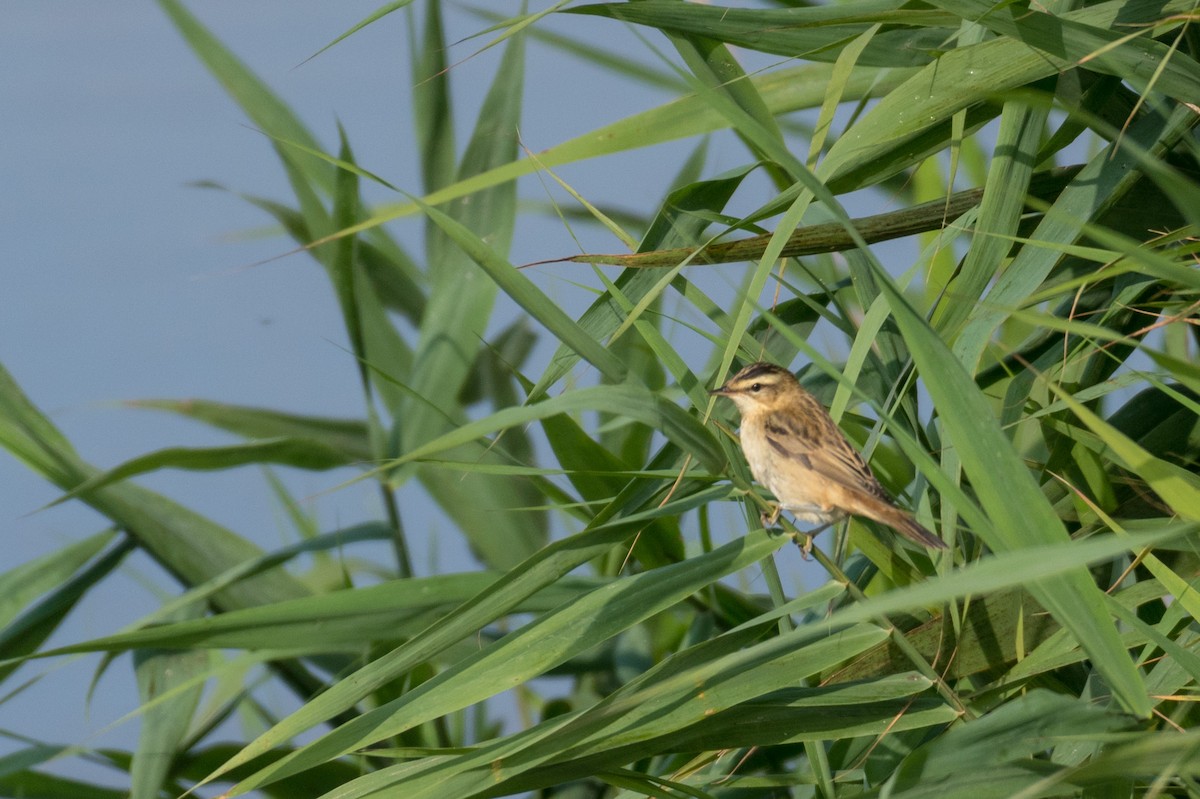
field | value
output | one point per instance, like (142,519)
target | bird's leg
(768,519)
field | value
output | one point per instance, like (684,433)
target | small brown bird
(795,449)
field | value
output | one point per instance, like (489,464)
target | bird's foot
(805,540)
(768,519)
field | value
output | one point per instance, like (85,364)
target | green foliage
(1043,389)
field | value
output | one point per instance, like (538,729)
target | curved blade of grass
(719,73)
(347,436)
(597,474)
(258,102)
(337,620)
(701,682)
(522,290)
(300,453)
(144,632)
(591,50)
(850,56)
(816,33)
(780,721)
(602,319)
(625,400)
(374,16)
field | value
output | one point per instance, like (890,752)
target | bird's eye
(757,387)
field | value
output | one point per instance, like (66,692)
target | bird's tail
(903,523)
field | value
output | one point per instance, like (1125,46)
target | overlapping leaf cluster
(1042,382)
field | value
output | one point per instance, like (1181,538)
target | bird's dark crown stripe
(760,370)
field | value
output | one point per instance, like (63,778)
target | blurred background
(129,280)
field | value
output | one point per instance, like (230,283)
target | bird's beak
(723,391)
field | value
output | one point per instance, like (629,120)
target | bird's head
(759,387)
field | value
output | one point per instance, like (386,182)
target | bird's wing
(824,449)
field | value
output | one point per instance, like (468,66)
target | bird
(796,450)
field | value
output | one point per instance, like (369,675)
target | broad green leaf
(680,705)
(347,436)
(283,451)
(626,400)
(164,725)
(1012,733)
(156,629)
(816,33)
(29,630)
(31,783)
(571,629)
(337,621)
(21,585)
(522,291)
(661,703)
(543,568)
